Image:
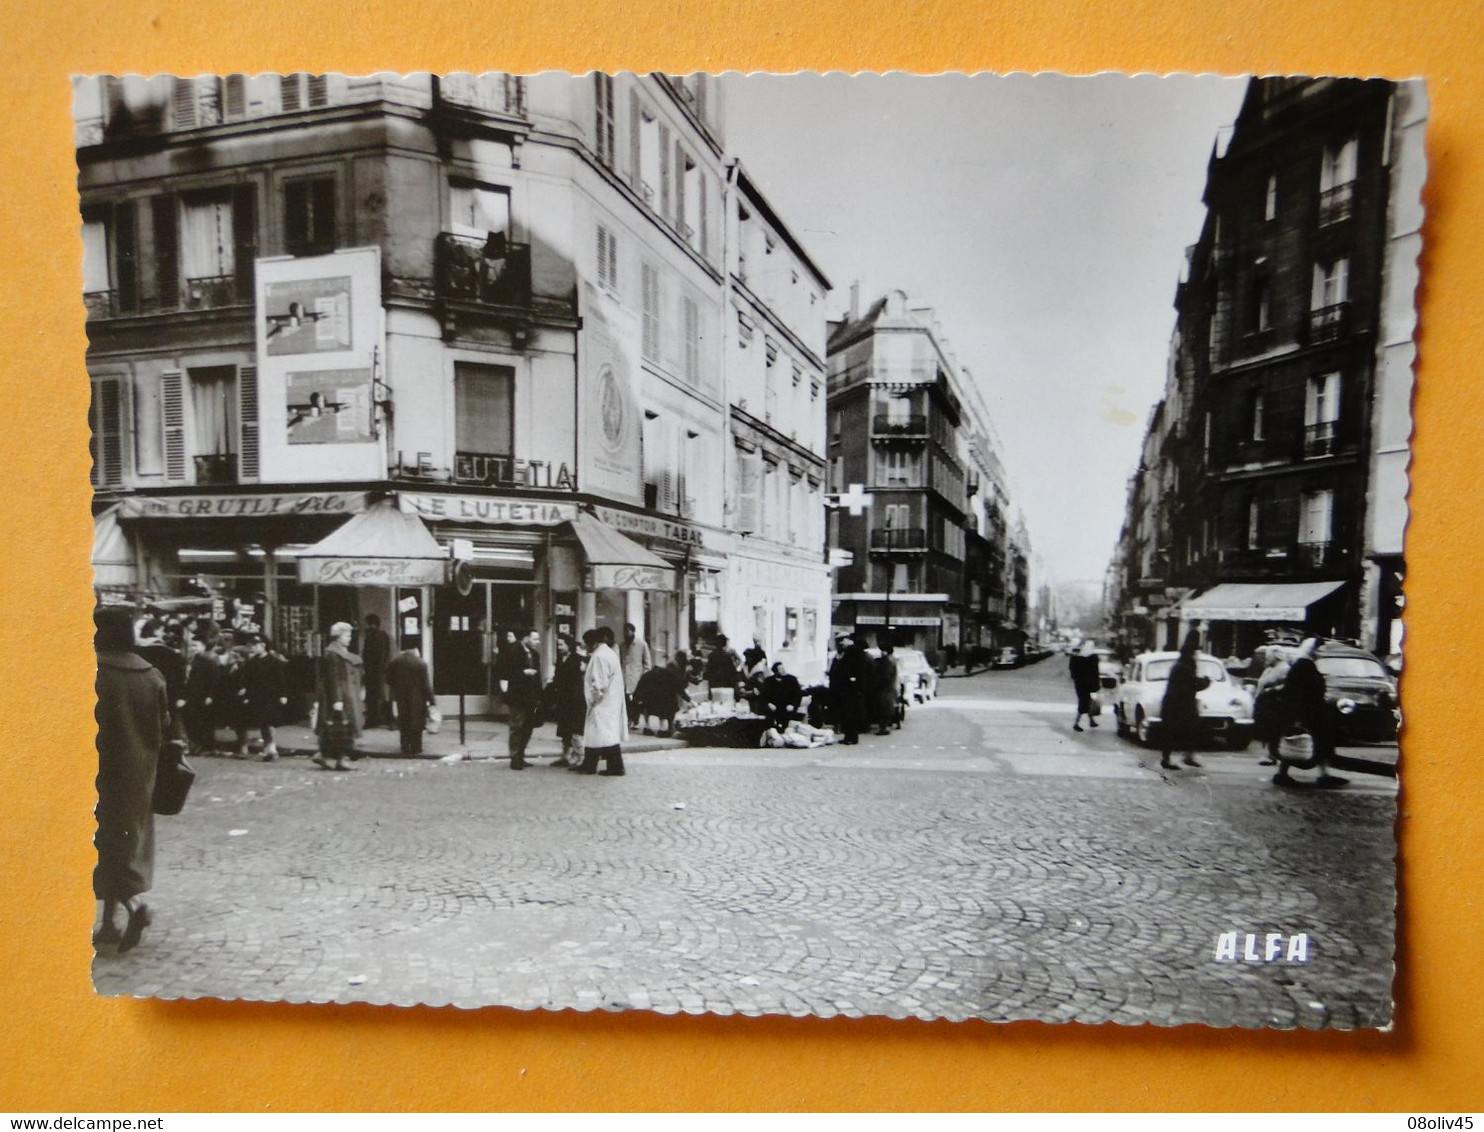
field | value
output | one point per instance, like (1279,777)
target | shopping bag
(1297,749)
(435,720)
(173,779)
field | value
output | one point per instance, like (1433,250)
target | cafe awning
(382,546)
(113,561)
(617,562)
(1256,601)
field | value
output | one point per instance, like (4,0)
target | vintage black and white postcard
(957,521)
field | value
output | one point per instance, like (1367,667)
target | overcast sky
(1045,219)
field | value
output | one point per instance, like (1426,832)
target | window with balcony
(649,170)
(900,468)
(605,125)
(216,247)
(484,421)
(214,415)
(1316,526)
(97,276)
(309,216)
(1321,414)
(688,197)
(1329,299)
(1337,173)
(478,210)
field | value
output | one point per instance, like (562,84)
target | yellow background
(64,1049)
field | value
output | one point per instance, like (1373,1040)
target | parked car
(919,678)
(1007,657)
(1110,672)
(1359,689)
(1225,706)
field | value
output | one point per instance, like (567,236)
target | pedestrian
(1180,712)
(721,668)
(164,656)
(884,689)
(755,659)
(1083,667)
(781,696)
(412,693)
(1305,706)
(340,680)
(133,714)
(566,703)
(376,652)
(200,692)
(636,659)
(264,698)
(1267,705)
(520,681)
(848,678)
(606,726)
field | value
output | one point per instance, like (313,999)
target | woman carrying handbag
(340,682)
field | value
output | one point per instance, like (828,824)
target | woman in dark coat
(1304,705)
(264,693)
(340,685)
(133,716)
(202,671)
(1180,713)
(1083,666)
(885,690)
(566,701)
(850,675)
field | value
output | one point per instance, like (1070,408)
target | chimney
(855,301)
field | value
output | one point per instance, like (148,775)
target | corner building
(493,303)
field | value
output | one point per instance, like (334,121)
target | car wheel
(1143,728)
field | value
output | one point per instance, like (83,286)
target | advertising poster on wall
(609,413)
(331,406)
(308,316)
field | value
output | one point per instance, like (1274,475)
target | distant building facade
(1271,491)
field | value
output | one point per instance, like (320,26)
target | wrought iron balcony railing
(1321,439)
(217,468)
(914,427)
(1328,323)
(1336,204)
(907,538)
(211,291)
(491,271)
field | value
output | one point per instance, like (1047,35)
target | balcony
(886,427)
(1285,560)
(1337,204)
(1326,324)
(101,304)
(492,272)
(218,468)
(1321,439)
(1318,555)
(908,538)
(211,292)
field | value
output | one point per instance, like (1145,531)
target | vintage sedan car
(1110,672)
(1359,689)
(1225,706)
(1007,657)
(919,678)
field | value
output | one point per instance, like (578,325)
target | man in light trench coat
(607,717)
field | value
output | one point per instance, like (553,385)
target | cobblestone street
(984,862)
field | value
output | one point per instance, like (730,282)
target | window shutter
(636,125)
(125,257)
(172,415)
(183,103)
(704,187)
(319,90)
(680,187)
(602,255)
(613,260)
(106,419)
(288,92)
(247,422)
(665,164)
(244,238)
(235,101)
(749,475)
(667,470)
(167,260)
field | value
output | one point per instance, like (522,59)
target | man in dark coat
(166,659)
(885,689)
(412,692)
(133,716)
(200,693)
(376,652)
(264,692)
(849,678)
(520,680)
(781,696)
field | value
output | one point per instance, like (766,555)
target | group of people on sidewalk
(864,691)
(585,699)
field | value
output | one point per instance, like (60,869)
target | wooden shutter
(665,171)
(704,214)
(125,257)
(318,89)
(680,187)
(288,92)
(749,491)
(106,421)
(247,423)
(602,255)
(667,468)
(692,339)
(167,257)
(234,103)
(172,418)
(183,104)
(244,238)
(636,127)
(651,304)
(603,121)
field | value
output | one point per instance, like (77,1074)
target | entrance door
(458,642)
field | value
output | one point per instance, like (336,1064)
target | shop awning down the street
(1254,601)
(382,546)
(113,563)
(617,562)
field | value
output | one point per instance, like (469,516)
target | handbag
(173,779)
(1297,749)
(435,720)
(338,741)
(1095,702)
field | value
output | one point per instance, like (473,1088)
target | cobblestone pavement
(984,862)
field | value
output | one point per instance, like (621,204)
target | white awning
(383,546)
(1256,601)
(617,562)
(113,561)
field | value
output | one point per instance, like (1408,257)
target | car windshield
(1156,670)
(1362,666)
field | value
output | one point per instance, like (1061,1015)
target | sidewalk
(483,739)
